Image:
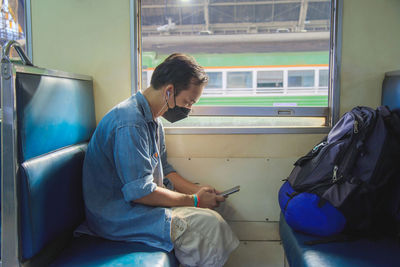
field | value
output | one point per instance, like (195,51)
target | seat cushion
(362,252)
(51,197)
(93,251)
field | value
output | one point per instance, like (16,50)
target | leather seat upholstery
(362,252)
(90,251)
(51,195)
(55,122)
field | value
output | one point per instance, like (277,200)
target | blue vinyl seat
(55,117)
(362,252)
(52,207)
(91,251)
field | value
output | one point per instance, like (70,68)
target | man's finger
(208,189)
(220,198)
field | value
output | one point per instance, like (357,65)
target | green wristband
(196,200)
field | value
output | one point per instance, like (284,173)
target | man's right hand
(208,198)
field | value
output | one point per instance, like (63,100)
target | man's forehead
(193,91)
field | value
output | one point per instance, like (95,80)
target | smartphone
(230,191)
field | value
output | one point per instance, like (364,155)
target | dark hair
(179,70)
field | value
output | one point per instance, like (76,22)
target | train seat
(363,252)
(53,207)
(54,122)
(92,251)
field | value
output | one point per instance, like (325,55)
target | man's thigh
(195,220)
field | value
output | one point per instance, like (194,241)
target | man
(131,193)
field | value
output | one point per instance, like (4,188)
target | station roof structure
(245,25)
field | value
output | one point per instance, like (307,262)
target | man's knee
(211,221)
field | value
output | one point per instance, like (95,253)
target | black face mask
(177,113)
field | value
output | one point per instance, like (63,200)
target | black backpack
(354,172)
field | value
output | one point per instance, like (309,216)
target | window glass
(257,54)
(12,24)
(300,78)
(323,78)
(214,80)
(215,121)
(214,86)
(239,79)
(12,20)
(144,79)
(318,10)
(270,79)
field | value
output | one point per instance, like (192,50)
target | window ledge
(247,130)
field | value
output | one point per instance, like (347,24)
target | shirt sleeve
(133,162)
(167,168)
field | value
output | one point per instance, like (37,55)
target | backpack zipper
(304,187)
(317,147)
(334,175)
(355,127)
(337,174)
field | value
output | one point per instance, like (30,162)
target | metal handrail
(17,46)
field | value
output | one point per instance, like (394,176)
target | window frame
(331,113)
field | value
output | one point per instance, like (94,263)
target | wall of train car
(88,37)
(92,37)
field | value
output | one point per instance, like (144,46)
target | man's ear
(169,90)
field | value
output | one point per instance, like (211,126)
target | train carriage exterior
(296,78)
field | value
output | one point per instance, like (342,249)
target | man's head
(179,70)
(180,81)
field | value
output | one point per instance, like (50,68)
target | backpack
(350,181)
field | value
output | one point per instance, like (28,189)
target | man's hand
(209,187)
(208,198)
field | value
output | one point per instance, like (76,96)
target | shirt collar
(144,104)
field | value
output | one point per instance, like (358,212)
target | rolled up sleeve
(138,188)
(133,162)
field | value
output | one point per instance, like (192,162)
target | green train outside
(262,79)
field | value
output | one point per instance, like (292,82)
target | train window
(323,78)
(12,24)
(214,80)
(269,79)
(268,62)
(214,86)
(301,78)
(239,79)
(12,21)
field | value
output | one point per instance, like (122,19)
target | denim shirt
(122,164)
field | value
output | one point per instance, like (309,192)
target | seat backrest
(51,197)
(52,112)
(55,119)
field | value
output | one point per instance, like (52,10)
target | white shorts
(201,237)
